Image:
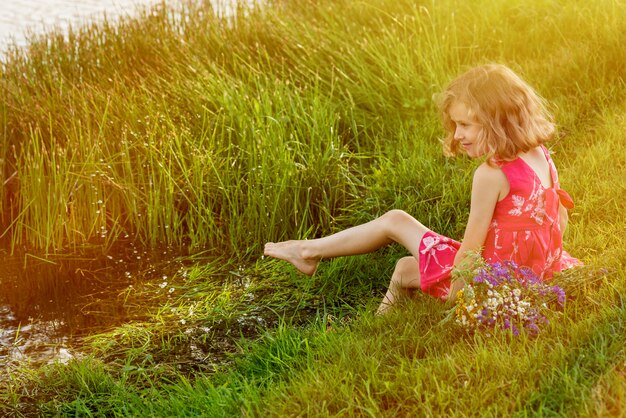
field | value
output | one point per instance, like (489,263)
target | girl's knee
(395,217)
(407,274)
(396,214)
(406,264)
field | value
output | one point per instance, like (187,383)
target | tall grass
(295,119)
(190,129)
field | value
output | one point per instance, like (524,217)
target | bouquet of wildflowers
(504,296)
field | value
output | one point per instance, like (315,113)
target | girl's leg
(394,226)
(405,276)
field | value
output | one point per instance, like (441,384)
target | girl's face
(466,129)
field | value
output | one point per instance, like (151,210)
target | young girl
(517,210)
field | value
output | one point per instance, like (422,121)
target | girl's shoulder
(489,172)
(488,176)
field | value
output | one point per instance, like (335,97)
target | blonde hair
(513,116)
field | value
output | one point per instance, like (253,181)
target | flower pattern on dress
(496,234)
(551,259)
(432,244)
(538,210)
(534,206)
(518,202)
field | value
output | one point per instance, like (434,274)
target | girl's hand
(456,285)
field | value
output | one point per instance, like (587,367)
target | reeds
(190,129)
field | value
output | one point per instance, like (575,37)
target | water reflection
(48,305)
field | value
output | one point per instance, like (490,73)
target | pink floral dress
(525,228)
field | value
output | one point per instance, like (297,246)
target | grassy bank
(295,120)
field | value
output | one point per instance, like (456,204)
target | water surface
(18,18)
(48,304)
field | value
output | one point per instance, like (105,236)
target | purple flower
(500,271)
(481,276)
(532,327)
(560,294)
(527,276)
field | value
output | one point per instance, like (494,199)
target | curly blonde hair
(513,116)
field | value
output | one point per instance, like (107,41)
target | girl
(517,210)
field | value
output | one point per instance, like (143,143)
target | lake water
(18,18)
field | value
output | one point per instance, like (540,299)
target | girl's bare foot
(291,251)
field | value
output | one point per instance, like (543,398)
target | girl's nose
(458,135)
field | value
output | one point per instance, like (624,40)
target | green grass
(291,121)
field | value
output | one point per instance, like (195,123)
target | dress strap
(564,197)
(553,172)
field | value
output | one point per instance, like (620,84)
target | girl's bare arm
(488,185)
